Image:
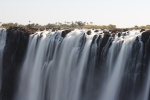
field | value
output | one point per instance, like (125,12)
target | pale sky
(123,13)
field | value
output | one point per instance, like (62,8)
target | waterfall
(2,44)
(114,81)
(74,65)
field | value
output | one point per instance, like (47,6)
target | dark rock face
(89,32)
(146,47)
(96,31)
(142,30)
(65,32)
(119,34)
(14,52)
(145,36)
(103,43)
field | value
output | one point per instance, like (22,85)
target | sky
(122,13)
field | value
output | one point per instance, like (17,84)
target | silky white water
(82,67)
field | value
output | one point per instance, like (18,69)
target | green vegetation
(68,25)
(58,25)
(141,27)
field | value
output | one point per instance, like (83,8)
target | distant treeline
(69,25)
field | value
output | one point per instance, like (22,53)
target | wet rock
(102,44)
(145,36)
(142,30)
(89,32)
(119,34)
(64,33)
(14,52)
(96,31)
(124,34)
(113,35)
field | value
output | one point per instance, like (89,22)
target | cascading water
(2,44)
(50,65)
(114,81)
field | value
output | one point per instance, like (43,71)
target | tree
(68,23)
(50,25)
(110,26)
(80,23)
(91,23)
(36,24)
(73,25)
(136,27)
(8,25)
